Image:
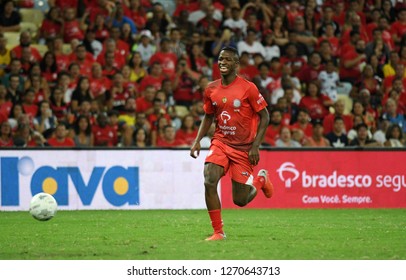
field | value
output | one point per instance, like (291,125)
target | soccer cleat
(216,236)
(267,188)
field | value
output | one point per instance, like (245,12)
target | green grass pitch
(311,234)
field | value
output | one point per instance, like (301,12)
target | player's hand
(253,155)
(195,149)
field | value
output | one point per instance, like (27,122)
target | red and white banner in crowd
(330,179)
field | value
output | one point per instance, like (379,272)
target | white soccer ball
(43,206)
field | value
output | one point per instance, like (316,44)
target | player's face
(227,63)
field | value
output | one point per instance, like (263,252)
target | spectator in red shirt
(155,77)
(398,28)
(6,139)
(84,59)
(183,84)
(63,4)
(49,68)
(60,138)
(72,27)
(331,39)
(40,87)
(188,131)
(158,111)
(51,26)
(62,59)
(165,57)
(144,102)
(169,138)
(99,26)
(292,58)
(312,69)
(303,123)
(25,41)
(386,32)
(355,25)
(137,11)
(5,104)
(99,84)
(273,130)
(58,105)
(247,70)
(104,134)
(316,103)
(29,107)
(350,70)
(339,107)
(109,67)
(118,94)
(293,12)
(120,54)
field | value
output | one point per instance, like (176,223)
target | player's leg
(212,175)
(243,193)
(245,185)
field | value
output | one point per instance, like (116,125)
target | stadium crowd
(131,73)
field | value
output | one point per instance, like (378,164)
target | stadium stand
(134,52)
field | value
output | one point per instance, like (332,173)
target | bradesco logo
(119,185)
(288,173)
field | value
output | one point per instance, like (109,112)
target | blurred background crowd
(132,73)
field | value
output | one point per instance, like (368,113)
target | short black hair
(360,125)
(233,50)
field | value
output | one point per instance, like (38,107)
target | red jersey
(248,72)
(8,143)
(187,137)
(315,106)
(398,28)
(35,55)
(176,143)
(5,108)
(104,136)
(353,72)
(272,134)
(328,123)
(50,28)
(31,110)
(142,104)
(235,107)
(167,60)
(65,4)
(72,31)
(99,86)
(151,80)
(62,61)
(68,142)
(308,130)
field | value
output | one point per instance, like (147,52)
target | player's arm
(204,127)
(263,124)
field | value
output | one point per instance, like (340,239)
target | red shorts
(232,160)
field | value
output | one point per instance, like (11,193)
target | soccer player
(242,118)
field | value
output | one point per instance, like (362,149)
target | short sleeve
(255,98)
(207,106)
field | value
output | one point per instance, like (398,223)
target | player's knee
(210,182)
(240,202)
